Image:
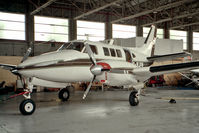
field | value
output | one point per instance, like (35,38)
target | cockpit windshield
(73,46)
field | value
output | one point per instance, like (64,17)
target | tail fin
(147,48)
(151,35)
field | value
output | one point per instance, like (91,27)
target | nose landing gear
(27,107)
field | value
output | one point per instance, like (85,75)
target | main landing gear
(133,98)
(135,94)
(64,94)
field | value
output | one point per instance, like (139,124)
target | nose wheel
(133,98)
(27,107)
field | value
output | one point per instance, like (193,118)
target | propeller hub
(96,69)
(15,71)
(99,68)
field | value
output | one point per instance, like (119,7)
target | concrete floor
(105,112)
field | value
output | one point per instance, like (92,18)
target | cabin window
(106,51)
(112,52)
(119,54)
(128,56)
(133,55)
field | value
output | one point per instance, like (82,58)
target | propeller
(96,69)
(89,86)
(26,54)
(193,80)
(189,83)
(15,70)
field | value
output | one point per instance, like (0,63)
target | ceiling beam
(196,30)
(96,10)
(171,18)
(41,7)
(164,7)
(184,25)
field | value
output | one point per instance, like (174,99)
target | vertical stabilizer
(151,35)
(147,48)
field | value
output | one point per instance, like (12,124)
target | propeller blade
(27,54)
(185,76)
(89,86)
(188,84)
(90,53)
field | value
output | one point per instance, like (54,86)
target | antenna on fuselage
(111,42)
(87,36)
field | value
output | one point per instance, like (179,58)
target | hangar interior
(44,25)
(175,19)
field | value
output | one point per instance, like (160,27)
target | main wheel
(64,94)
(27,107)
(133,98)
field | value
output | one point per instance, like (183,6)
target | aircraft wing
(7,66)
(146,72)
(168,56)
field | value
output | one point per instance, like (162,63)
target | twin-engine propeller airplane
(86,61)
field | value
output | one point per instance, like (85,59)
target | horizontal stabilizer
(7,66)
(168,56)
(143,73)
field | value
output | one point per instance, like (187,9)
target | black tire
(64,94)
(27,107)
(133,99)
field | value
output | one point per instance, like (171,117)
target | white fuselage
(66,66)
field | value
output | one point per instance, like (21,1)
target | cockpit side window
(93,48)
(64,46)
(73,46)
(76,46)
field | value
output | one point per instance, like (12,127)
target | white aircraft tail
(147,48)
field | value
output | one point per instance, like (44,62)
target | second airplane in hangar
(86,61)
